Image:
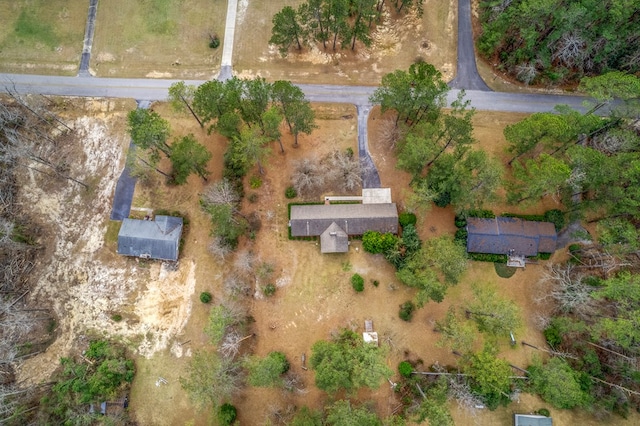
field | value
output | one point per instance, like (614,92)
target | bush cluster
(205,297)
(290,192)
(374,242)
(357,282)
(405,369)
(406,218)
(406,310)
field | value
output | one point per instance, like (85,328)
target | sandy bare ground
(80,276)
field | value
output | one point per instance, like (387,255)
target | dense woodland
(560,41)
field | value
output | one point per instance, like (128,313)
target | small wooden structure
(369,336)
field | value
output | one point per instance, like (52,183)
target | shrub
(574,247)
(349,152)
(406,311)
(214,41)
(205,297)
(460,221)
(290,192)
(407,218)
(556,217)
(116,317)
(269,290)
(544,412)
(255,182)
(553,335)
(405,368)
(488,257)
(227,414)
(461,236)
(266,372)
(483,214)
(375,283)
(374,242)
(357,282)
(544,256)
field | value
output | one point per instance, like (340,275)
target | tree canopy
(416,95)
(560,41)
(346,362)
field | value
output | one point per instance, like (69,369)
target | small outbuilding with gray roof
(151,239)
(531,420)
(510,236)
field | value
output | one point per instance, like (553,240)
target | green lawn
(42,36)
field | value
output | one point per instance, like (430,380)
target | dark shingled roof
(508,235)
(353,219)
(334,240)
(531,420)
(155,239)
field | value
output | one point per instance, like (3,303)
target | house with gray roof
(531,420)
(510,236)
(334,223)
(151,239)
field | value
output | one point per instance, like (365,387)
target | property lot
(396,44)
(158,38)
(42,36)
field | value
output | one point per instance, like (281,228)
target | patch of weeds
(51,326)
(255,182)
(375,283)
(116,317)
(290,192)
(346,266)
(113,229)
(205,297)
(269,290)
(253,197)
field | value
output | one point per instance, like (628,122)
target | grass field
(41,36)
(158,38)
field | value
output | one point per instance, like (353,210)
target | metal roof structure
(354,219)
(511,236)
(531,420)
(151,239)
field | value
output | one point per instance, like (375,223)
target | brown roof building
(510,236)
(335,222)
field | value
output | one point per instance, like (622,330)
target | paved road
(467,76)
(88,38)
(157,89)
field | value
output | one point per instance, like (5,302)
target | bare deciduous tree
(219,249)
(308,177)
(344,170)
(567,289)
(221,193)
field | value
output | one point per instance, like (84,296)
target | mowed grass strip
(158,38)
(42,36)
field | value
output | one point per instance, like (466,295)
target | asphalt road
(157,89)
(467,76)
